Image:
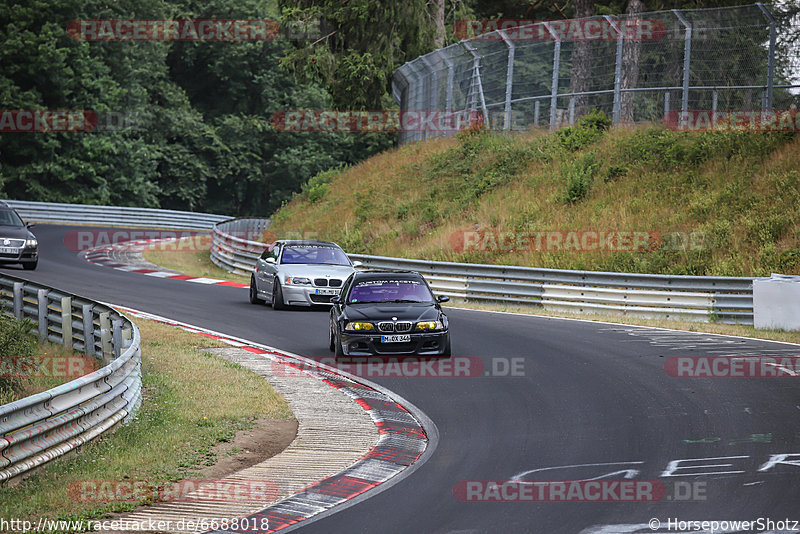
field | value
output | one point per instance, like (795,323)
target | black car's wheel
(277,296)
(331,339)
(253,292)
(30,265)
(337,348)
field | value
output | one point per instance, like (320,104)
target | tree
(582,61)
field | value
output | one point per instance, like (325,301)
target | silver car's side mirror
(357,264)
(270,260)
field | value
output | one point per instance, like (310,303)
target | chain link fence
(634,68)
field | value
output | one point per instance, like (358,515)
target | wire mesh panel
(635,68)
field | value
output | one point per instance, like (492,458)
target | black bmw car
(388,313)
(17,243)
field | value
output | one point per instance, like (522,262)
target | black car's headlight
(429,326)
(31,243)
(299,280)
(359,327)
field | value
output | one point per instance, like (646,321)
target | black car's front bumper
(421,344)
(25,254)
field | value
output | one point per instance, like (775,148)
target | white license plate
(398,338)
(327,291)
(9,250)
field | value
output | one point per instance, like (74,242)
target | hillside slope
(640,200)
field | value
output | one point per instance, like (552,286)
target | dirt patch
(267,438)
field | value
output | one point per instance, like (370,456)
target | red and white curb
(402,441)
(104,256)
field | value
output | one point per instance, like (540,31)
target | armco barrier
(36,429)
(698,298)
(114,215)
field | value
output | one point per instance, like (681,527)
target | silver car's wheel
(254,292)
(277,296)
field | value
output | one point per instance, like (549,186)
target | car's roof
(306,242)
(375,274)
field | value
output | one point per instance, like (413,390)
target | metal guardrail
(114,215)
(36,429)
(699,298)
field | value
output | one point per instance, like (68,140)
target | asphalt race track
(587,393)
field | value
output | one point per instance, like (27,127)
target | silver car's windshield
(314,254)
(10,218)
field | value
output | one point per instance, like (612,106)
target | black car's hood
(14,232)
(385,311)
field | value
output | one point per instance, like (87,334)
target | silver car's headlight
(31,243)
(299,280)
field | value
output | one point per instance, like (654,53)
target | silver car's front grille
(321,282)
(386,326)
(335,282)
(403,326)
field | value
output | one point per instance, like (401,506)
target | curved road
(585,393)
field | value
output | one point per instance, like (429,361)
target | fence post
(88,329)
(450,80)
(42,304)
(66,321)
(18,299)
(509,77)
(687,54)
(536,113)
(666,104)
(773,34)
(476,75)
(431,100)
(617,71)
(554,86)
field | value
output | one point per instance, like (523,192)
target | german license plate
(398,338)
(8,250)
(327,291)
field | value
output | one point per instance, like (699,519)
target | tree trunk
(581,61)
(631,54)
(438,18)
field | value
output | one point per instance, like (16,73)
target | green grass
(192,401)
(724,203)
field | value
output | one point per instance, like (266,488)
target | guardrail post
(105,337)
(18,299)
(66,322)
(88,329)
(117,339)
(42,304)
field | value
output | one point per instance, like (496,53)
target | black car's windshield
(390,291)
(318,254)
(10,218)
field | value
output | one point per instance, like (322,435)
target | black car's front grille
(386,326)
(403,326)
(335,282)
(321,282)
(395,347)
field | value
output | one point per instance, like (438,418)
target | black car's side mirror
(336,300)
(29,225)
(443,298)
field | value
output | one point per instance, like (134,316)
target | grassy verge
(711,203)
(190,256)
(192,402)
